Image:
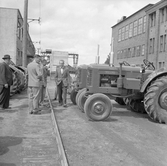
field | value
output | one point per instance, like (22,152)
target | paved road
(125,139)
(27,140)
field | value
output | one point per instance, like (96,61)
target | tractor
(79,83)
(143,89)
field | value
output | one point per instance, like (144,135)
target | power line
(40,21)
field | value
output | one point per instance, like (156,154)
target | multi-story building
(11,36)
(142,36)
(156,35)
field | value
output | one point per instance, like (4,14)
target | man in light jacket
(62,81)
(34,84)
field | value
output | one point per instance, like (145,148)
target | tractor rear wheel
(120,101)
(81,100)
(98,107)
(155,100)
(73,95)
(77,96)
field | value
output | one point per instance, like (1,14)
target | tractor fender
(154,75)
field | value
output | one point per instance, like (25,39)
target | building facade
(11,36)
(156,42)
(142,36)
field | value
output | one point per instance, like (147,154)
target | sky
(76,26)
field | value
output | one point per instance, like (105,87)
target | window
(138,48)
(152,19)
(143,50)
(131,30)
(119,35)
(161,43)
(133,51)
(129,52)
(166,13)
(135,28)
(163,64)
(153,46)
(150,46)
(164,43)
(162,12)
(118,54)
(144,24)
(126,31)
(160,64)
(19,29)
(125,53)
(140,23)
(123,33)
(121,54)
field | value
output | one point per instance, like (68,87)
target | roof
(156,4)
(147,6)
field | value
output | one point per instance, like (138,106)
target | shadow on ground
(7,164)
(7,141)
(21,95)
(1,118)
(9,110)
(127,113)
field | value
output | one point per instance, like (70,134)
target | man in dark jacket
(62,81)
(6,80)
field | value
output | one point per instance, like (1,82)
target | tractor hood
(117,68)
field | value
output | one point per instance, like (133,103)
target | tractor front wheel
(77,96)
(98,107)
(155,100)
(81,100)
(73,95)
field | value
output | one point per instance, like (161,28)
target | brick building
(11,36)
(142,36)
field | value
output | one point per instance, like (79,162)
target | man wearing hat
(6,80)
(34,84)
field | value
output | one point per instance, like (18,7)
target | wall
(8,20)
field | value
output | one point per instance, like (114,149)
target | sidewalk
(25,139)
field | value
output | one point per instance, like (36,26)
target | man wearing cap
(34,84)
(6,80)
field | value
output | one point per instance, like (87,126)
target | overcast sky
(76,26)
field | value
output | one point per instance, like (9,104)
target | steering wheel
(149,64)
(125,63)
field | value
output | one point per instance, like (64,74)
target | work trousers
(62,93)
(34,96)
(43,94)
(4,97)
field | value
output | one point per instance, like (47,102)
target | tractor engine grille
(89,77)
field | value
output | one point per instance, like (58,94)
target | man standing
(44,70)
(6,80)
(62,80)
(34,84)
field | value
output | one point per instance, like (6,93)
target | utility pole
(24,58)
(98,57)
(111,52)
